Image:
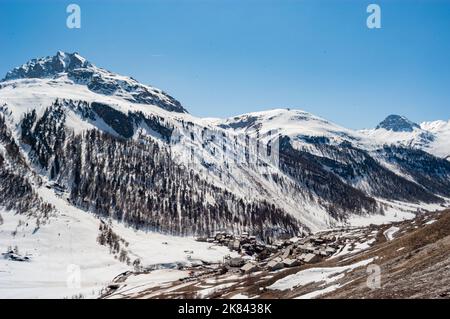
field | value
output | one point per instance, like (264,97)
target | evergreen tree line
(16,191)
(139,183)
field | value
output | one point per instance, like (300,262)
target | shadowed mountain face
(397,123)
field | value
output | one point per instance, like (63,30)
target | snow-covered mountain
(53,110)
(86,150)
(57,119)
(303,127)
(76,69)
(432,137)
(397,123)
(128,151)
(362,159)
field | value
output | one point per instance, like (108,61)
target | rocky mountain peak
(48,67)
(79,70)
(397,123)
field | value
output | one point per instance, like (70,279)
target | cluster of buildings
(245,244)
(257,256)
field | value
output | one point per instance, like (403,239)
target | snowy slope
(441,130)
(69,240)
(325,139)
(24,95)
(289,122)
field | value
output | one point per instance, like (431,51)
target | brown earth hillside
(413,265)
(412,256)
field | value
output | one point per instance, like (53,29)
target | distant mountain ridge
(432,137)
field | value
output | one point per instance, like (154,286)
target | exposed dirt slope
(413,258)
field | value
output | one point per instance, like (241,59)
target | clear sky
(226,57)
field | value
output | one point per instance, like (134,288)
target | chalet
(306,248)
(288,262)
(249,268)
(323,253)
(287,251)
(318,241)
(234,244)
(275,265)
(311,258)
(236,262)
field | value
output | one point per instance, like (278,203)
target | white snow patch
(389,233)
(312,275)
(319,292)
(208,291)
(239,296)
(137,283)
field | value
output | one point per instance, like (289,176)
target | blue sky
(227,57)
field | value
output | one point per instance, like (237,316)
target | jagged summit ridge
(49,66)
(76,68)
